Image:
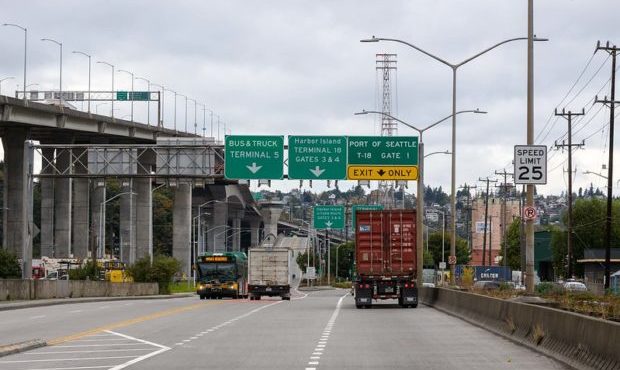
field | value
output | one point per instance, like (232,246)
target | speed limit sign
(530,164)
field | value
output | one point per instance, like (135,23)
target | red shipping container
(385,243)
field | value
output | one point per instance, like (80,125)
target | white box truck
(269,272)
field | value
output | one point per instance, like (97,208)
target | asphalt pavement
(315,330)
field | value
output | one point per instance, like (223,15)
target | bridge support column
(97,214)
(80,223)
(271,214)
(128,222)
(62,206)
(254,232)
(217,226)
(236,233)
(47,206)
(16,209)
(144,207)
(181,226)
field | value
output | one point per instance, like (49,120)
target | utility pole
(490,240)
(611,103)
(522,236)
(503,210)
(468,210)
(486,218)
(569,116)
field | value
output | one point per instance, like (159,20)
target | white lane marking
(98,350)
(322,342)
(71,368)
(64,359)
(104,307)
(98,345)
(311,368)
(37,317)
(231,321)
(179,344)
(75,311)
(100,340)
(141,358)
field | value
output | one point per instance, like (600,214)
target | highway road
(319,330)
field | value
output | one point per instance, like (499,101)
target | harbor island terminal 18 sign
(322,157)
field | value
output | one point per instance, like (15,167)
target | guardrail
(577,340)
(17,289)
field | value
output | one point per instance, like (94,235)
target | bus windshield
(217,271)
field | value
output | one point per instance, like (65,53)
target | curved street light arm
(491,48)
(377,39)
(427,127)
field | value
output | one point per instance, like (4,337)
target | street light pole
(101,251)
(132,97)
(148,102)
(25,49)
(160,109)
(454,68)
(195,122)
(89,63)
(60,83)
(4,79)
(420,207)
(113,97)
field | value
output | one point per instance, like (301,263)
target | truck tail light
(406,285)
(367,286)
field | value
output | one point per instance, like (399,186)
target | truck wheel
(359,306)
(202,296)
(258,298)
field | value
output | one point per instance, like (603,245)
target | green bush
(89,271)
(9,265)
(547,288)
(161,271)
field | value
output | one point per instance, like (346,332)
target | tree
(302,260)
(345,259)
(589,216)
(435,247)
(161,271)
(513,245)
(9,265)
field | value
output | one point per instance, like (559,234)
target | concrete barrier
(16,289)
(577,340)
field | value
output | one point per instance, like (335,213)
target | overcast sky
(297,67)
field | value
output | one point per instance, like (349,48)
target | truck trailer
(385,256)
(269,272)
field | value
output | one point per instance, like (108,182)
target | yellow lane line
(122,324)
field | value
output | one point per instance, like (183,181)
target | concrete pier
(47,206)
(182,226)
(16,206)
(62,207)
(80,220)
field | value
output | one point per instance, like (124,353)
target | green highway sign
(317,157)
(382,158)
(383,150)
(363,207)
(133,95)
(328,217)
(254,157)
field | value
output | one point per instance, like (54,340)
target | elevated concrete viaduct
(70,206)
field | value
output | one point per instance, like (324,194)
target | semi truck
(385,256)
(269,272)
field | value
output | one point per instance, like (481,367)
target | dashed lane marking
(322,342)
(129,322)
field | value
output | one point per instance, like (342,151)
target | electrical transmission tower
(386,69)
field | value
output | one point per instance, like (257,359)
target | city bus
(222,275)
